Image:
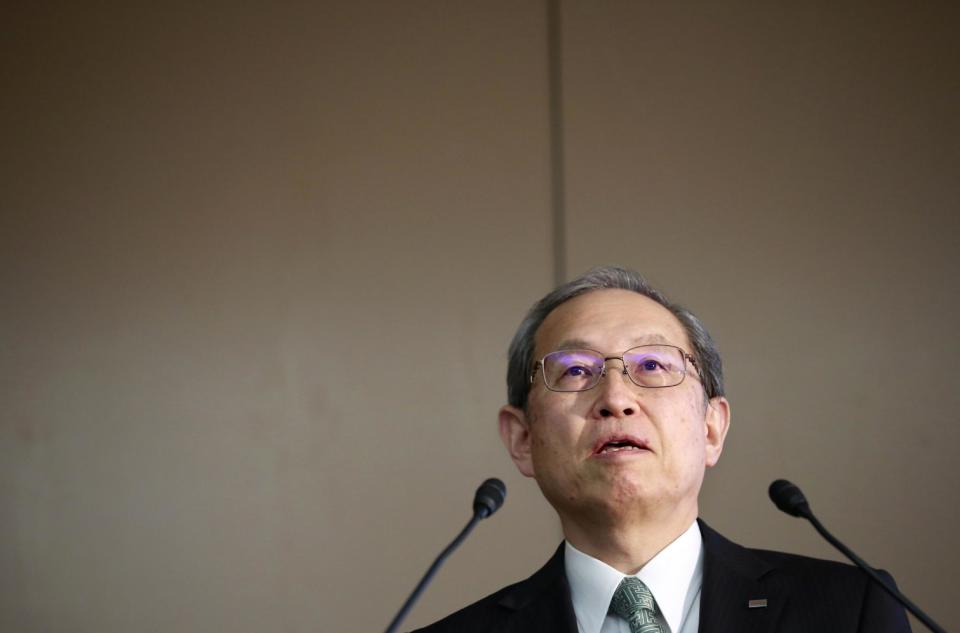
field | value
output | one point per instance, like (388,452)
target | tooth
(612,448)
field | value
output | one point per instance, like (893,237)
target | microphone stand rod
(433,570)
(862,564)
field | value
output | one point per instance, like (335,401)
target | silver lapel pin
(759,603)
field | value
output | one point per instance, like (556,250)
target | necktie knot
(634,603)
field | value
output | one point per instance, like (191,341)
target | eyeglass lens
(647,366)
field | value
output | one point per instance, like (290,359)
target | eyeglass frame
(603,370)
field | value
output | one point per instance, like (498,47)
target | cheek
(554,442)
(689,425)
(549,448)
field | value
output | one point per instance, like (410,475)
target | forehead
(609,321)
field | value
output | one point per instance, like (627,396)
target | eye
(572,370)
(651,365)
(578,371)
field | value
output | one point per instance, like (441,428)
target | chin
(631,495)
(620,498)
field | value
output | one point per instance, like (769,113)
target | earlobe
(717,421)
(515,433)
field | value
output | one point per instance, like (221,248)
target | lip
(637,441)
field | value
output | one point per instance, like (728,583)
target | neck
(627,545)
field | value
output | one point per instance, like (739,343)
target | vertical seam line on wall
(557,166)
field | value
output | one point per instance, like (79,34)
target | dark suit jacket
(804,595)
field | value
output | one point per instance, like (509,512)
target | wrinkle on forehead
(596,320)
(646,339)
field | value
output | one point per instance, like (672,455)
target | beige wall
(791,174)
(259,267)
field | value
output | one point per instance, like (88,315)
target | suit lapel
(733,578)
(735,586)
(542,602)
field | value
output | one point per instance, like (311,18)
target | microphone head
(489,497)
(789,498)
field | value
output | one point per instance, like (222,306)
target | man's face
(560,439)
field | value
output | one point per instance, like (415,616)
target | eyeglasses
(653,366)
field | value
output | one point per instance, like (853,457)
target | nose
(616,393)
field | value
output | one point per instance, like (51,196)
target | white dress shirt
(674,577)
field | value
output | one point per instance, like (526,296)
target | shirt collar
(674,576)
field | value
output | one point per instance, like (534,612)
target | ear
(515,433)
(717,420)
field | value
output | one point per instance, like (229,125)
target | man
(616,408)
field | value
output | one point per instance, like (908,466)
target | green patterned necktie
(634,603)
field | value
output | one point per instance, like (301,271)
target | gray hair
(520,362)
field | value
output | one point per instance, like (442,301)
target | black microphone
(790,499)
(489,497)
(487,500)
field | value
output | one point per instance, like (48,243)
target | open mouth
(621,445)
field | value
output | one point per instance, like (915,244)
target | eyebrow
(579,343)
